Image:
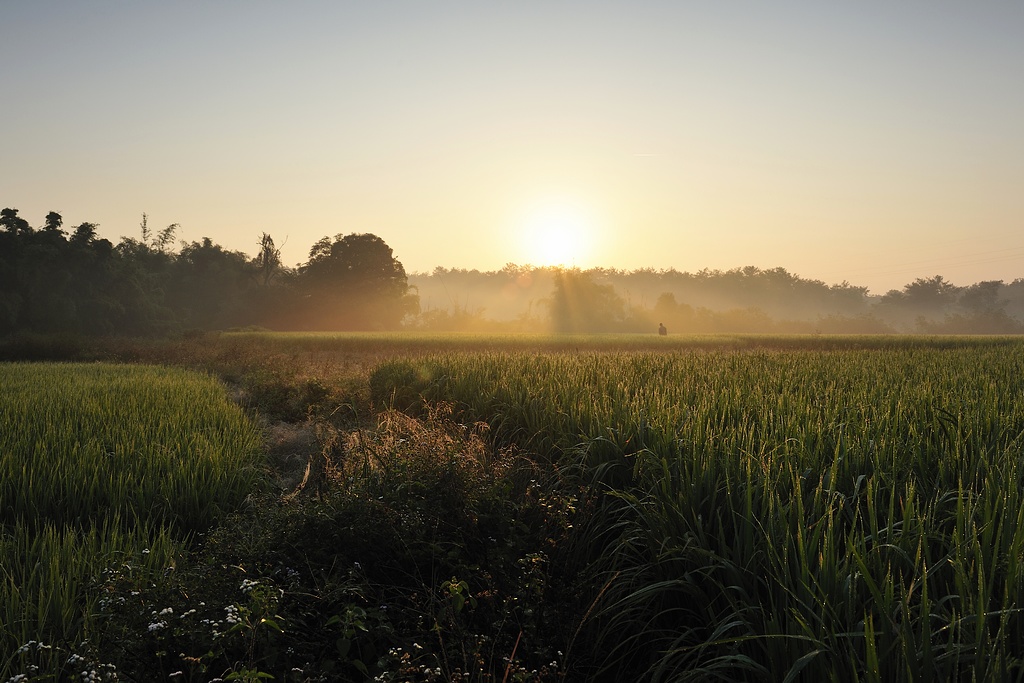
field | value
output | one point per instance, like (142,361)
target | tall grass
(100,465)
(84,444)
(849,514)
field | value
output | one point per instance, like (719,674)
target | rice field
(853,514)
(755,508)
(103,465)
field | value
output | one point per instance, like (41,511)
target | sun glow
(558,235)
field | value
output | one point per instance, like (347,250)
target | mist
(748,299)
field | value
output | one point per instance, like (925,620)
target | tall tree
(355,282)
(267,264)
(53,223)
(207,285)
(12,222)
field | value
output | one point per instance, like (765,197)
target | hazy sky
(874,142)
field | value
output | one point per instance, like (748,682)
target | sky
(869,142)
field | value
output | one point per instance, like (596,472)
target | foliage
(58,281)
(355,282)
(739,300)
(99,464)
(823,514)
(630,507)
(55,283)
(50,283)
(425,558)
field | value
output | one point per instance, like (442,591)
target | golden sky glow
(557,233)
(871,142)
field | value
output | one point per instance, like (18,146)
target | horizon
(869,144)
(180,241)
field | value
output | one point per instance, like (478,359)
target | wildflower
(166,611)
(157,625)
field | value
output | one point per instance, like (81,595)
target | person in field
(662,330)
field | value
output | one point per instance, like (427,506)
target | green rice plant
(81,444)
(102,465)
(48,576)
(792,512)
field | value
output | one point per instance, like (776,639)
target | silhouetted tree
(53,222)
(147,278)
(206,286)
(354,282)
(267,264)
(11,222)
(919,305)
(51,284)
(982,297)
(931,295)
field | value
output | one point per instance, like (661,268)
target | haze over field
(868,143)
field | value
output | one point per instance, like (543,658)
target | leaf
(272,624)
(799,665)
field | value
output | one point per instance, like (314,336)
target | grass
(588,508)
(100,465)
(831,514)
(87,444)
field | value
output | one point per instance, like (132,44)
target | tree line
(747,299)
(55,279)
(58,280)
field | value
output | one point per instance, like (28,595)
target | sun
(557,235)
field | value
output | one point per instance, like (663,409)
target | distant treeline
(740,300)
(70,281)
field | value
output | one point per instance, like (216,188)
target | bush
(426,555)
